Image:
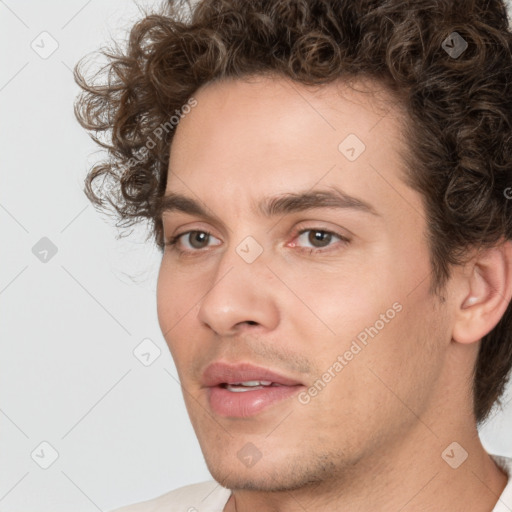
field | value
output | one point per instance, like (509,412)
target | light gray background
(69,326)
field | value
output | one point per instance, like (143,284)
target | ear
(486,290)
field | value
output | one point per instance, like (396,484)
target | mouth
(243,390)
(250,385)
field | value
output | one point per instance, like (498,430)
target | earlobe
(488,291)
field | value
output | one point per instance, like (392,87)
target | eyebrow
(272,206)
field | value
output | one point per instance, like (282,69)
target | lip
(244,404)
(223,373)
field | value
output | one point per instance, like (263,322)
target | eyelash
(173,242)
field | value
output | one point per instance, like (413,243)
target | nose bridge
(241,290)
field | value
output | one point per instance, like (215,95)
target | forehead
(272,106)
(270,134)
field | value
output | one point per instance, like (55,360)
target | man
(328,184)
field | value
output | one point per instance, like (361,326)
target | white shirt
(211,497)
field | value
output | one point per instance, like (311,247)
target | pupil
(199,237)
(319,236)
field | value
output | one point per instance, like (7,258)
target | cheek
(378,317)
(164,298)
(175,301)
(380,381)
(399,366)
(338,304)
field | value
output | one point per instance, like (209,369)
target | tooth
(253,383)
(248,385)
(240,389)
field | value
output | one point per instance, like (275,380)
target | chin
(273,476)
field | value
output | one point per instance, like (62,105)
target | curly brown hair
(459,109)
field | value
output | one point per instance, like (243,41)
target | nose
(241,295)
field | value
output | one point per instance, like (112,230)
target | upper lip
(223,373)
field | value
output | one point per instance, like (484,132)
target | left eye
(319,238)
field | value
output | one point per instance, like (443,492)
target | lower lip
(247,403)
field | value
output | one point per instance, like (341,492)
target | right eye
(195,239)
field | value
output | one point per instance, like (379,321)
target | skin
(372,439)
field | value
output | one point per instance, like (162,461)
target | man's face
(352,322)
